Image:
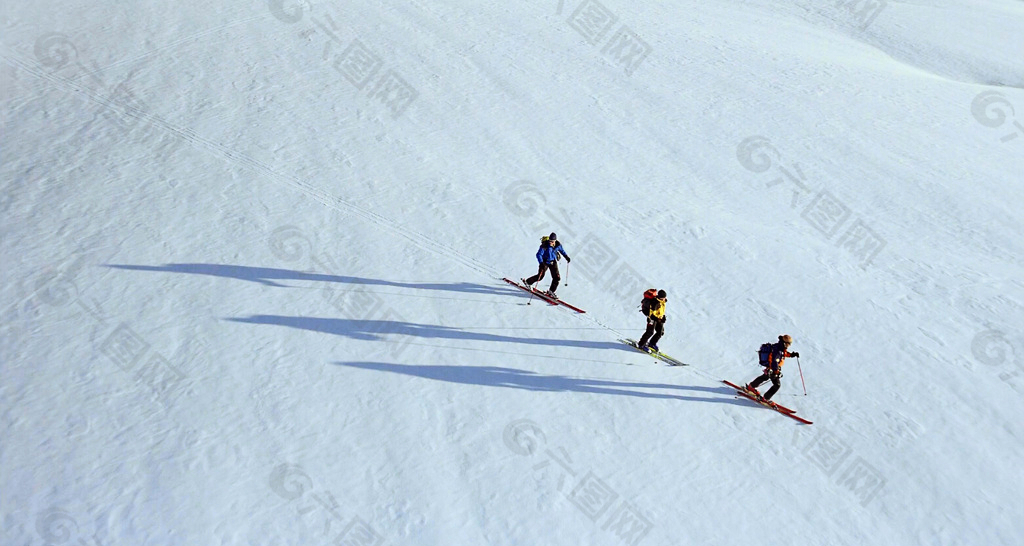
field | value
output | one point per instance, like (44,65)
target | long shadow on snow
(268,275)
(373,330)
(493,376)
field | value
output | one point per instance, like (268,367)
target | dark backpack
(764,354)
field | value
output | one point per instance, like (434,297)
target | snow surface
(252,257)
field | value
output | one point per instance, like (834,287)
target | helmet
(662,294)
(786,338)
(552,237)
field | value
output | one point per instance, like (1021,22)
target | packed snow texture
(253,253)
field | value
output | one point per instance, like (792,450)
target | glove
(568,259)
(795,354)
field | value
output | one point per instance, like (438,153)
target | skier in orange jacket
(773,368)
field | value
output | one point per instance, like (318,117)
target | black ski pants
(655,329)
(555,277)
(775,377)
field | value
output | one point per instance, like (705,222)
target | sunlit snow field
(253,252)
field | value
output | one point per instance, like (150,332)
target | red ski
(781,409)
(537,293)
(569,305)
(543,296)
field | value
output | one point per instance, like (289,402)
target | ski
(656,354)
(747,394)
(543,296)
(569,305)
(781,409)
(539,294)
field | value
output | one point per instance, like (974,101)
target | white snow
(252,257)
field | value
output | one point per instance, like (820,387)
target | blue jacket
(547,253)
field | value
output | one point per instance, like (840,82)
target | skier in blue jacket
(547,257)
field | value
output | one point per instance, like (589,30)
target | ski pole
(567,273)
(798,367)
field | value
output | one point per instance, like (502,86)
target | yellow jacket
(657,310)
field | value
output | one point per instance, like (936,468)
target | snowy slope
(253,253)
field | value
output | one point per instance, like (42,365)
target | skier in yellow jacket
(653,307)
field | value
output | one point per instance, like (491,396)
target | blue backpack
(764,354)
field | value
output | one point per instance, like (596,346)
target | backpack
(764,354)
(649,297)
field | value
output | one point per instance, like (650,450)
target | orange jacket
(777,358)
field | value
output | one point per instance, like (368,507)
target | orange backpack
(649,297)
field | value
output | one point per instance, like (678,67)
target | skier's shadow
(374,330)
(493,376)
(269,276)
